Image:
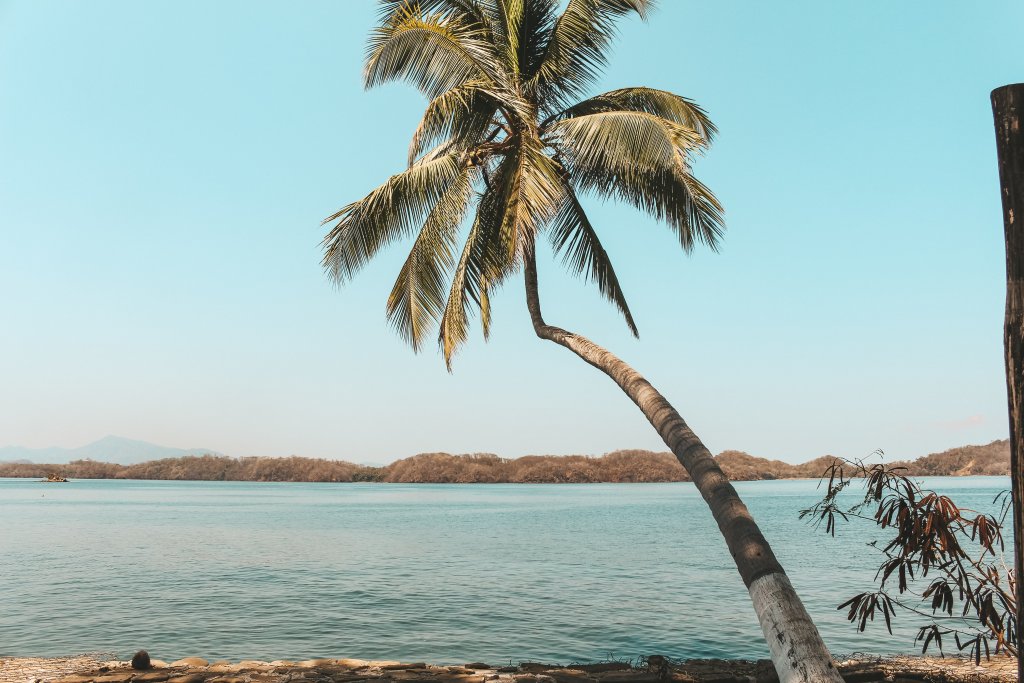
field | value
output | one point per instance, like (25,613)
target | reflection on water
(444,573)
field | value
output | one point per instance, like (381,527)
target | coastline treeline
(621,466)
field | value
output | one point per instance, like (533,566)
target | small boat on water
(53,478)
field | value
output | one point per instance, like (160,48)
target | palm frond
(485,310)
(536,193)
(391,211)
(492,251)
(483,256)
(661,103)
(461,115)
(536,27)
(624,140)
(434,52)
(418,298)
(464,291)
(508,15)
(468,12)
(573,235)
(642,159)
(684,203)
(576,51)
(524,27)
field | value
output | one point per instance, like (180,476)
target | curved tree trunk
(799,654)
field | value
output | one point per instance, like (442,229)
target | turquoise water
(443,573)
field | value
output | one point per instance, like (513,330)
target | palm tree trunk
(797,651)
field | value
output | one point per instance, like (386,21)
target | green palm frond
(481,267)
(485,310)
(576,51)
(491,253)
(536,193)
(523,27)
(394,210)
(539,17)
(573,235)
(434,52)
(678,199)
(691,209)
(462,116)
(454,328)
(507,15)
(523,198)
(418,298)
(660,103)
(623,141)
(468,12)
(642,159)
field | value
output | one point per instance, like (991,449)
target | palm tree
(507,139)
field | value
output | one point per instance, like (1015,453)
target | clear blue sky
(165,166)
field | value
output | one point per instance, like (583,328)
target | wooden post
(1008,110)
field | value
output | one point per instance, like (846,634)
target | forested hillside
(993,458)
(617,466)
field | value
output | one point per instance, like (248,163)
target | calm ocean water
(443,573)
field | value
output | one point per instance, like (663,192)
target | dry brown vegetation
(617,466)
(199,468)
(991,459)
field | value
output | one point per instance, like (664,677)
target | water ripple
(440,573)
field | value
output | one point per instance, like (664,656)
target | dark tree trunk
(799,654)
(1007,108)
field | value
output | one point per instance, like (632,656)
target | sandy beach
(95,669)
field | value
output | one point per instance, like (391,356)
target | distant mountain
(115,449)
(990,459)
(117,458)
(993,458)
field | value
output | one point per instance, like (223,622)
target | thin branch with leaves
(970,594)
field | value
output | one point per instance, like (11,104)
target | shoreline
(94,668)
